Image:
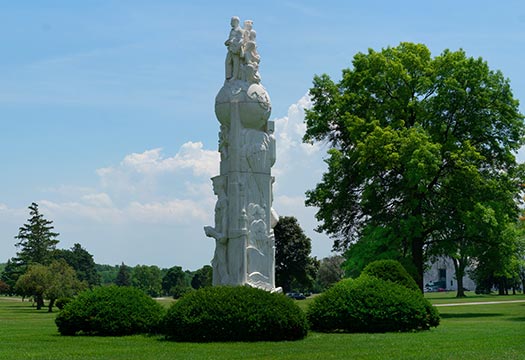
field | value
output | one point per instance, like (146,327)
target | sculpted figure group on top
(242,60)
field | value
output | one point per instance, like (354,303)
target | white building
(441,274)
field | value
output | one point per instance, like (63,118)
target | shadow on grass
(518,319)
(468,315)
(28,309)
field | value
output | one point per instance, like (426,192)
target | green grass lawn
(466,332)
(450,297)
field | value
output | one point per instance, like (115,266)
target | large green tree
(175,282)
(202,277)
(330,271)
(293,263)
(36,245)
(148,279)
(82,262)
(409,135)
(51,282)
(123,277)
(36,239)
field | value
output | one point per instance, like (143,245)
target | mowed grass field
(488,331)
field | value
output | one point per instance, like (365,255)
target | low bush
(242,313)
(112,310)
(391,270)
(369,304)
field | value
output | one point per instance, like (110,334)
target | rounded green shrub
(222,313)
(391,270)
(369,304)
(110,311)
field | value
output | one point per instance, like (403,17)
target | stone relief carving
(244,217)
(219,232)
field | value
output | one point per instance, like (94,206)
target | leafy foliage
(175,282)
(422,153)
(234,314)
(292,255)
(82,262)
(10,275)
(391,270)
(62,302)
(202,277)
(148,279)
(369,304)
(4,288)
(49,282)
(330,271)
(110,311)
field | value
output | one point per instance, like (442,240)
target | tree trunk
(501,286)
(51,304)
(417,259)
(523,286)
(39,299)
(459,268)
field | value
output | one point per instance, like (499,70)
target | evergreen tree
(123,276)
(82,261)
(36,244)
(36,238)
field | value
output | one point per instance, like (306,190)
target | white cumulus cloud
(191,156)
(151,173)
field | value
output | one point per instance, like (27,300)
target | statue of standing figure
(242,59)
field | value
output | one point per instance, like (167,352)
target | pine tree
(37,240)
(123,276)
(82,262)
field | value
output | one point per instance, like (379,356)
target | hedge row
(384,298)
(209,314)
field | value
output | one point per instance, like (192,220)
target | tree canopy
(82,262)
(202,277)
(148,279)
(422,152)
(52,281)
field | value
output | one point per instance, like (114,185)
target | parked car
(296,296)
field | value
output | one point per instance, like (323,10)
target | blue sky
(106,107)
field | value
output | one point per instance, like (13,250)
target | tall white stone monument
(244,218)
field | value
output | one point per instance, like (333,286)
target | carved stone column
(244,218)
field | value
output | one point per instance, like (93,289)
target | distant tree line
(41,271)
